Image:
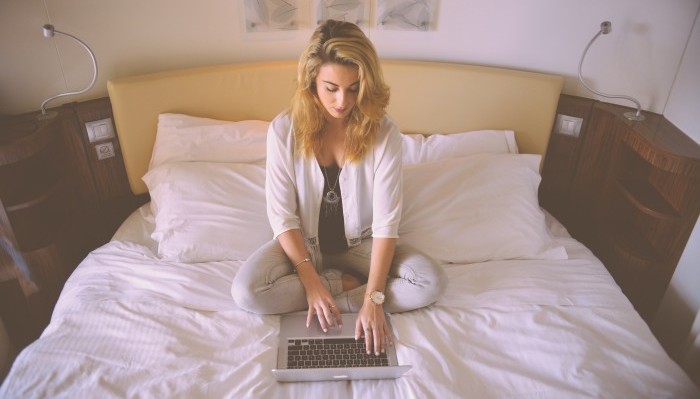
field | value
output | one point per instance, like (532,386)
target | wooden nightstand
(7,351)
(628,190)
(58,201)
(38,216)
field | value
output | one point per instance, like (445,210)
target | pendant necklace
(331,196)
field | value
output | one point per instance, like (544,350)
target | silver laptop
(312,355)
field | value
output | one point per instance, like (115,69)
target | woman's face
(337,87)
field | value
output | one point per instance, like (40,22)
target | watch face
(377,297)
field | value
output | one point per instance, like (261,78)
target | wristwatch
(377,297)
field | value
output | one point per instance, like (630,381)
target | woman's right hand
(321,302)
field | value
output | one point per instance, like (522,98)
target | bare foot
(349,282)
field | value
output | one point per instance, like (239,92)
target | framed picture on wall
(415,15)
(355,11)
(271,15)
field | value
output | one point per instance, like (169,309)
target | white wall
(684,101)
(638,58)
(681,303)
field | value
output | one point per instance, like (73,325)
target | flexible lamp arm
(50,31)
(605,28)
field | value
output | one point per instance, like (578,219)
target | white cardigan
(371,188)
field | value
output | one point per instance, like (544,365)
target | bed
(529,312)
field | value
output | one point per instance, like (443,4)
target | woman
(334,195)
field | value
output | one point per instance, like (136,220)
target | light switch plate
(104,150)
(568,125)
(100,130)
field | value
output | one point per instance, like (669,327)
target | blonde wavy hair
(342,43)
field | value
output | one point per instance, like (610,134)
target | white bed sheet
(130,325)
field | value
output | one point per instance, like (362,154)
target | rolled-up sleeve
(280,187)
(387,196)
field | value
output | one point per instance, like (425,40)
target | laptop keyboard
(331,352)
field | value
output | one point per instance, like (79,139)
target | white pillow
(208,211)
(188,138)
(476,208)
(418,148)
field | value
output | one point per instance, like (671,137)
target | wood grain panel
(39,219)
(561,160)
(634,198)
(114,198)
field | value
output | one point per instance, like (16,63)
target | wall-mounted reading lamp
(50,31)
(605,28)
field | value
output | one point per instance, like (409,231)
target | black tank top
(331,226)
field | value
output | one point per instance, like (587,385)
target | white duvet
(130,325)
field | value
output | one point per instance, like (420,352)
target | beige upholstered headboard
(426,97)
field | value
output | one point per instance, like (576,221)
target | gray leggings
(267,284)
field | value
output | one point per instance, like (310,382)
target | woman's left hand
(372,325)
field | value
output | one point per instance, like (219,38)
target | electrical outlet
(568,125)
(100,130)
(105,150)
